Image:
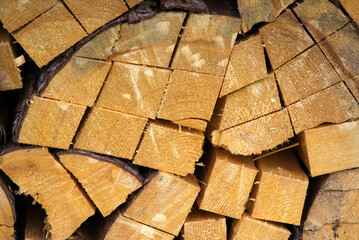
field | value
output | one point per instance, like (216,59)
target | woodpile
(166,119)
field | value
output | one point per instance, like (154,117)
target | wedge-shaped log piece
(38,174)
(255,136)
(330,148)
(284,39)
(15,14)
(352,8)
(206,43)
(109,132)
(246,104)
(78,82)
(190,99)
(126,228)
(320,17)
(7,211)
(50,123)
(93,15)
(353,85)
(334,213)
(246,65)
(280,189)
(151,41)
(251,228)
(227,181)
(169,148)
(49,35)
(164,202)
(305,75)
(332,105)
(134,89)
(9,73)
(341,49)
(204,225)
(108,181)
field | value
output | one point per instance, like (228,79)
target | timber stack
(190,119)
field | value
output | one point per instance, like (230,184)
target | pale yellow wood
(133,3)
(7,214)
(134,89)
(38,174)
(106,183)
(353,85)
(305,75)
(164,202)
(335,208)
(352,8)
(126,228)
(201,225)
(332,105)
(341,49)
(320,17)
(226,183)
(101,46)
(280,189)
(256,136)
(9,73)
(169,148)
(284,39)
(251,228)
(276,150)
(206,43)
(190,96)
(16,13)
(50,123)
(151,41)
(246,104)
(109,132)
(78,82)
(20,60)
(330,148)
(93,15)
(49,35)
(246,65)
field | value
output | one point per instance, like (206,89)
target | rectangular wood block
(280,189)
(251,228)
(109,132)
(227,182)
(330,148)
(305,75)
(50,123)
(332,105)
(155,205)
(49,35)
(246,65)
(284,39)
(206,43)
(190,98)
(134,89)
(169,148)
(78,82)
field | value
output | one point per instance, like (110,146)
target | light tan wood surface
(7,211)
(352,9)
(133,3)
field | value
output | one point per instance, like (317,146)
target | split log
(333,213)
(110,132)
(255,136)
(7,211)
(320,17)
(284,39)
(352,9)
(330,148)
(169,148)
(280,189)
(305,75)
(134,89)
(251,228)
(154,205)
(247,64)
(204,225)
(332,105)
(38,174)
(94,15)
(226,183)
(108,181)
(190,98)
(353,85)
